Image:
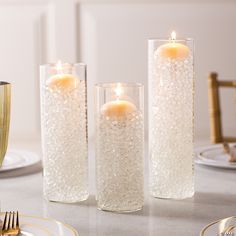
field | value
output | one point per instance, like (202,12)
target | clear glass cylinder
(64,131)
(171,106)
(119,146)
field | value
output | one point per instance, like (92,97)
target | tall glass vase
(119,147)
(64,131)
(171,100)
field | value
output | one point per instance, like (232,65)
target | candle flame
(173,35)
(59,67)
(119,90)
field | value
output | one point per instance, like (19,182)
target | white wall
(111,37)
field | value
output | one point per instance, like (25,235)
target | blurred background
(111,38)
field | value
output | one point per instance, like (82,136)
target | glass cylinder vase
(64,131)
(171,100)
(119,147)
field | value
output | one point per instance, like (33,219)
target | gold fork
(10,225)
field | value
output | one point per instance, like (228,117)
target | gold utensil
(5,103)
(231,150)
(10,225)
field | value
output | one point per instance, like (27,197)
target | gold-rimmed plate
(16,159)
(214,156)
(222,227)
(38,226)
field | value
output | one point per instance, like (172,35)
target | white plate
(16,159)
(213,155)
(37,226)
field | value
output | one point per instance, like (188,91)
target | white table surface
(215,198)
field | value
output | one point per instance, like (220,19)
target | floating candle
(118,108)
(173,49)
(62,81)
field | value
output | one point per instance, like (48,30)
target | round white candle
(61,80)
(173,49)
(118,107)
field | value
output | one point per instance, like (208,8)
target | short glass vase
(119,147)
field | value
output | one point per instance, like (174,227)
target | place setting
(17,162)
(222,152)
(15,224)
(220,155)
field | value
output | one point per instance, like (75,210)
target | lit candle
(173,49)
(118,108)
(62,80)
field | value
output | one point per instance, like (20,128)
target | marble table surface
(215,198)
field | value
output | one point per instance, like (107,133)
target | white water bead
(65,144)
(119,162)
(171,128)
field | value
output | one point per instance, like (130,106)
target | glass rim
(54,64)
(2,83)
(108,85)
(170,40)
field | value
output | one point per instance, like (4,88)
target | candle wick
(173,37)
(171,40)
